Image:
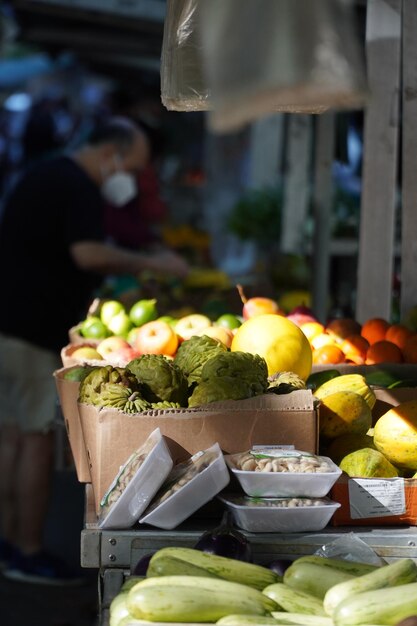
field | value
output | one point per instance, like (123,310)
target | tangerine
(410,350)
(375,329)
(312,329)
(328,354)
(323,339)
(355,346)
(383,352)
(341,328)
(398,334)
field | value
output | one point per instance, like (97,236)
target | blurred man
(52,256)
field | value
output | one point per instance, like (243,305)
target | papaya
(344,412)
(395,435)
(368,463)
(344,445)
(347,382)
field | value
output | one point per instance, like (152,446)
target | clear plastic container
(136,483)
(279,515)
(289,483)
(189,486)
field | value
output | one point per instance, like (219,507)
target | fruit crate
(115,553)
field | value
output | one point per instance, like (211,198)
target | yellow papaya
(347,382)
(344,412)
(368,463)
(345,444)
(395,435)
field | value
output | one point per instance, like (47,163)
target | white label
(371,497)
(276,451)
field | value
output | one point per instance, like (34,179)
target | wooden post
(376,241)
(409,159)
(322,205)
(297,186)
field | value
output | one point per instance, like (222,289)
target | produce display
(289,462)
(183,585)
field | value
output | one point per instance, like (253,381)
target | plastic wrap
(243,60)
(183,86)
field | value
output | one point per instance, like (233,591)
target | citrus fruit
(143,311)
(228,320)
(398,334)
(279,341)
(328,354)
(383,352)
(340,328)
(410,350)
(375,329)
(93,328)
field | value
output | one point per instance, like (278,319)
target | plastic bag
(350,548)
(183,86)
(294,56)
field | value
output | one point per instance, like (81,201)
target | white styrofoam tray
(193,495)
(286,484)
(142,487)
(269,519)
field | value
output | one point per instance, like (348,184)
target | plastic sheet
(243,60)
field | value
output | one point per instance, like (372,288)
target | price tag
(371,497)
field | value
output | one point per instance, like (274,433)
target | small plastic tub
(136,483)
(280,515)
(189,486)
(276,484)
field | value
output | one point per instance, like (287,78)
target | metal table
(115,552)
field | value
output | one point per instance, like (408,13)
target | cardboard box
(371,501)
(375,501)
(68,397)
(111,436)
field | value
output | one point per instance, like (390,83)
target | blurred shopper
(52,256)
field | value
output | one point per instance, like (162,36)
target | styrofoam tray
(190,497)
(286,484)
(142,487)
(270,519)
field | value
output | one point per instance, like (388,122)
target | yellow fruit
(368,463)
(344,412)
(347,382)
(279,341)
(345,444)
(395,435)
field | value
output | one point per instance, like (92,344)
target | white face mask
(119,188)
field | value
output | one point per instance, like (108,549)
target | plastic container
(142,486)
(285,484)
(259,515)
(175,502)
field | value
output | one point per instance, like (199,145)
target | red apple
(257,305)
(111,344)
(156,337)
(301,315)
(122,356)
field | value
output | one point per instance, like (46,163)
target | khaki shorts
(28,395)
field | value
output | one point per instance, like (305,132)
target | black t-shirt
(43,293)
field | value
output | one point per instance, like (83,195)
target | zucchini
(351,567)
(294,601)
(314,579)
(244,620)
(281,617)
(398,573)
(380,606)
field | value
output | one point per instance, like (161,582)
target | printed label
(370,497)
(276,452)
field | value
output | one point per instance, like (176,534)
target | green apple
(228,320)
(132,335)
(143,311)
(168,319)
(93,328)
(120,324)
(192,324)
(109,309)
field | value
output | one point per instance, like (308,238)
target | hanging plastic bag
(296,56)
(183,86)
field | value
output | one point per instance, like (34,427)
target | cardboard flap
(300,400)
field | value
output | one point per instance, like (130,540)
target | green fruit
(143,311)
(77,374)
(168,319)
(368,463)
(93,328)
(120,324)
(228,320)
(132,335)
(109,309)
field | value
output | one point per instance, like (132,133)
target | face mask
(119,188)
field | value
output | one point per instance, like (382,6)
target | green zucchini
(283,618)
(314,579)
(398,573)
(350,567)
(294,601)
(244,620)
(385,606)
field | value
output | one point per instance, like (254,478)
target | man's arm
(105,258)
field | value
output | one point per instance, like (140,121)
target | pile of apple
(121,335)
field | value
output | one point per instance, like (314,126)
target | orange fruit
(375,329)
(355,348)
(398,334)
(383,352)
(328,354)
(322,340)
(410,350)
(312,329)
(342,328)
